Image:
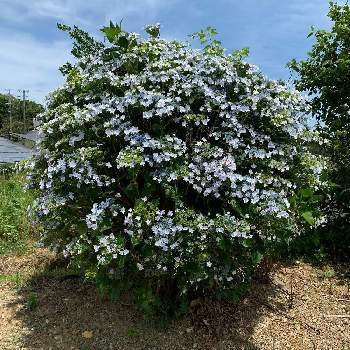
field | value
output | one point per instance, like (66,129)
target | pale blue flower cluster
(181,133)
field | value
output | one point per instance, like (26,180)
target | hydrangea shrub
(169,167)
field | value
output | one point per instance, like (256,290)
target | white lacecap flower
(186,122)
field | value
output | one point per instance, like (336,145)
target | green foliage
(84,44)
(32,301)
(112,31)
(13,277)
(15,226)
(241,53)
(326,71)
(307,203)
(32,111)
(328,274)
(324,75)
(211,46)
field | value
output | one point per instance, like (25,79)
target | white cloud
(18,10)
(80,12)
(275,30)
(27,63)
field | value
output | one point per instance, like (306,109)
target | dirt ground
(297,307)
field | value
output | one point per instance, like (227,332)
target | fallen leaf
(206,322)
(87,334)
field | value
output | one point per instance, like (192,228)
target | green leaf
(106,225)
(307,215)
(240,53)
(312,31)
(247,243)
(81,227)
(306,192)
(257,257)
(112,31)
(224,244)
(235,205)
(123,42)
(63,27)
(131,190)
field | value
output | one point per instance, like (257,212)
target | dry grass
(299,307)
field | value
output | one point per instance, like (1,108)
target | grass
(32,301)
(11,277)
(15,225)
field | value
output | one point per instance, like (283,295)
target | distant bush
(15,225)
(169,168)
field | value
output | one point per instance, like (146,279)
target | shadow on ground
(56,310)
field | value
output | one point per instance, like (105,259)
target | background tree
(3,109)
(32,110)
(325,76)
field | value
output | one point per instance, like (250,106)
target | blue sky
(32,49)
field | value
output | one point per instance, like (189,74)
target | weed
(15,226)
(328,274)
(32,302)
(16,278)
(133,333)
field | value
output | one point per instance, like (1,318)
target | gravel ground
(298,307)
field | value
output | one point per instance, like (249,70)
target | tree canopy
(325,76)
(32,110)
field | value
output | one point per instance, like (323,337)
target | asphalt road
(11,152)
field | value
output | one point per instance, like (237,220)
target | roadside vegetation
(16,229)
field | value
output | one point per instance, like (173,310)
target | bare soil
(297,307)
